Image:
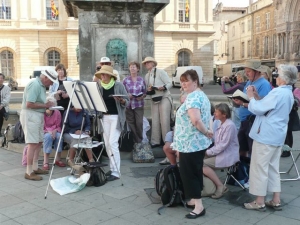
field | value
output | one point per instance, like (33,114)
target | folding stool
(230,170)
(294,162)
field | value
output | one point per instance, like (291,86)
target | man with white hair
(105,61)
(32,119)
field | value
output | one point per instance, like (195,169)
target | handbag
(157,99)
(294,121)
(126,141)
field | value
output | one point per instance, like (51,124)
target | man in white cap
(105,61)
(253,71)
(32,119)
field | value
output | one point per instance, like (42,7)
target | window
(257,24)
(243,50)
(183,58)
(232,53)
(249,24)
(216,47)
(268,20)
(274,45)
(7,63)
(249,49)
(184,11)
(53,58)
(275,17)
(233,31)
(6,13)
(266,46)
(257,47)
(243,27)
(49,14)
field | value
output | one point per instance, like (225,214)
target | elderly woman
(73,126)
(191,139)
(4,101)
(158,85)
(116,100)
(268,132)
(225,151)
(136,88)
(58,89)
(52,132)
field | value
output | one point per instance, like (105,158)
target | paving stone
(248,216)
(135,218)
(9,200)
(91,217)
(39,217)
(116,221)
(289,211)
(295,202)
(68,208)
(63,221)
(277,220)
(10,222)
(3,218)
(19,210)
(225,220)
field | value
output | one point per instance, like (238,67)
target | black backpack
(18,133)
(97,174)
(169,187)
(241,173)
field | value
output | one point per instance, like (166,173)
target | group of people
(125,108)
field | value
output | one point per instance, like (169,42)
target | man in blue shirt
(253,69)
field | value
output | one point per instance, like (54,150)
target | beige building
(31,37)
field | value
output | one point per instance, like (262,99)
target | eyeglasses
(98,68)
(275,75)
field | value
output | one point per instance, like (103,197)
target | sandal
(46,166)
(275,206)
(219,194)
(254,206)
(60,164)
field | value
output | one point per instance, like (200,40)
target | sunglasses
(106,63)
(275,75)
(98,68)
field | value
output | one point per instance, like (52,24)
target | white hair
(51,98)
(288,73)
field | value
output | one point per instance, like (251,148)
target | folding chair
(294,161)
(230,171)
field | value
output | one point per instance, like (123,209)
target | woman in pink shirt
(52,131)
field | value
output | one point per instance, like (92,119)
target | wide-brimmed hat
(105,60)
(149,59)
(266,70)
(254,64)
(51,74)
(105,70)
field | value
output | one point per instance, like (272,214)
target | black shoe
(108,173)
(286,154)
(112,178)
(193,215)
(190,206)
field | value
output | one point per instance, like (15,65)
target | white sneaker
(165,162)
(246,185)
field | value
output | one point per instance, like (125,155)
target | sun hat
(51,74)
(238,94)
(105,70)
(149,59)
(254,64)
(266,70)
(105,60)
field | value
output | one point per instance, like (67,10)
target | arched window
(7,63)
(53,58)
(183,58)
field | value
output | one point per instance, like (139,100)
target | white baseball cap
(104,60)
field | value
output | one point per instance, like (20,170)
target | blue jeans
(48,142)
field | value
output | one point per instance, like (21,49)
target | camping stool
(230,171)
(287,148)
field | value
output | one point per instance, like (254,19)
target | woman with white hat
(158,84)
(116,100)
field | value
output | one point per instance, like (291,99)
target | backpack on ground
(18,134)
(97,173)
(143,154)
(169,187)
(241,173)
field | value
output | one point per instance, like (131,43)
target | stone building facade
(31,37)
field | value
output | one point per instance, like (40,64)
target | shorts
(33,126)
(245,141)
(169,136)
(211,162)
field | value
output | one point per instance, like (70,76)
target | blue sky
(233,3)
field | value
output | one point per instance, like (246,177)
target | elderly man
(4,100)
(105,61)
(32,119)
(268,133)
(253,69)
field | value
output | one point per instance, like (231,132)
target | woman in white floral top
(191,138)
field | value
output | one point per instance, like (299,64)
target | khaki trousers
(160,114)
(134,118)
(264,169)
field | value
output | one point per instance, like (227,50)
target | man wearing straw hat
(253,71)
(32,119)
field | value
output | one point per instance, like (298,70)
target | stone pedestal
(110,28)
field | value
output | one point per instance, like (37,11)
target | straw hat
(254,64)
(149,59)
(105,70)
(51,74)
